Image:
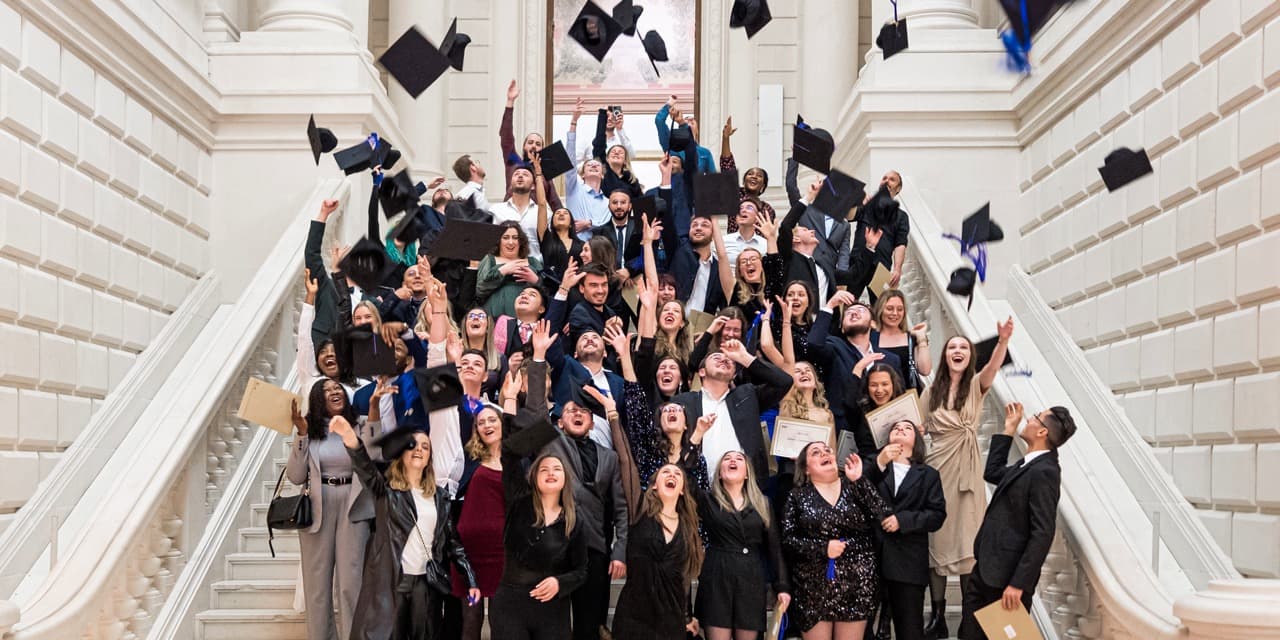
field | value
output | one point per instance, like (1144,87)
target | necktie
(622,243)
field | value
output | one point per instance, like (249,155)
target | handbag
(288,512)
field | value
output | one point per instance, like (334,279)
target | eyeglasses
(673,408)
(477,315)
(750,260)
(573,408)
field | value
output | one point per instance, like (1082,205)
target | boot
(884,622)
(936,627)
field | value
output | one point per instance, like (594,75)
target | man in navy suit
(1017,531)
(836,355)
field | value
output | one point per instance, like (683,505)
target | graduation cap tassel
(895,9)
(1018,50)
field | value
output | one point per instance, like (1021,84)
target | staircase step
(254,540)
(251,624)
(258,514)
(261,566)
(253,594)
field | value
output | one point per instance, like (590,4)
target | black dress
(808,524)
(744,555)
(654,600)
(555,258)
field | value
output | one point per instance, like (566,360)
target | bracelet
(439,313)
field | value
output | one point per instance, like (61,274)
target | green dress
(498,292)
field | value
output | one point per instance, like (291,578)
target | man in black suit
(736,408)
(1017,530)
(837,355)
(695,268)
(623,230)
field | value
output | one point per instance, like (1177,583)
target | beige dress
(954,453)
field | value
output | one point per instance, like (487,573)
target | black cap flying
(414,62)
(892,38)
(983,350)
(979,228)
(367,264)
(595,30)
(656,48)
(840,193)
(555,161)
(962,281)
(411,228)
(366,155)
(394,443)
(881,211)
(397,193)
(322,140)
(370,356)
(626,13)
(751,15)
(716,193)
(812,147)
(439,386)
(465,240)
(454,45)
(1123,166)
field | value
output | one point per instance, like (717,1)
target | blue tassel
(782,628)
(1016,58)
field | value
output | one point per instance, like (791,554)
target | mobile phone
(617,110)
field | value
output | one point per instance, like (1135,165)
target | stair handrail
(118,572)
(1131,593)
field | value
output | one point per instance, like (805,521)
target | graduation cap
(555,161)
(893,37)
(395,442)
(370,356)
(812,147)
(840,193)
(752,15)
(1026,17)
(595,30)
(415,63)
(645,205)
(963,280)
(397,194)
(367,264)
(626,13)
(411,227)
(580,397)
(466,210)
(656,48)
(438,387)
(881,211)
(982,352)
(716,193)
(978,228)
(371,152)
(1123,166)
(465,240)
(454,45)
(322,140)
(681,140)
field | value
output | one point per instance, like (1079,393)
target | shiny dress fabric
(653,604)
(377,609)
(809,522)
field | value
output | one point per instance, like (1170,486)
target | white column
(304,15)
(926,14)
(828,59)
(422,119)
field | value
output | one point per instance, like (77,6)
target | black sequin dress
(809,522)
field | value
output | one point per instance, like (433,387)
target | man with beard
(472,175)
(695,268)
(838,354)
(893,251)
(403,306)
(586,364)
(520,208)
(623,230)
(593,285)
(734,409)
(800,243)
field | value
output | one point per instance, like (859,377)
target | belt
(742,551)
(335,481)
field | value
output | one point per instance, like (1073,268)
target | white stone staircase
(255,599)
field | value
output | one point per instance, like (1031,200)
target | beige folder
(880,281)
(1002,624)
(269,406)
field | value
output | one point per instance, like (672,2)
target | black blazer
(635,231)
(684,267)
(766,387)
(798,266)
(920,508)
(328,317)
(1018,527)
(396,516)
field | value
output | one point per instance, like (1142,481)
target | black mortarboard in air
(595,30)
(394,443)
(812,147)
(370,356)
(716,193)
(626,13)
(840,192)
(1123,166)
(466,210)
(369,153)
(963,280)
(656,48)
(397,193)
(752,15)
(881,211)
(555,161)
(454,45)
(580,397)
(982,352)
(411,228)
(465,240)
(647,206)
(1038,12)
(322,140)
(979,228)
(892,38)
(414,62)
(682,142)
(367,264)
(439,386)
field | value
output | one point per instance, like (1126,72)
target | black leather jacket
(396,515)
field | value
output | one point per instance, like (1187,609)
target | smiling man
(837,355)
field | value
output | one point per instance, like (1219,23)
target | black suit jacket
(799,267)
(327,316)
(1018,527)
(920,508)
(634,233)
(684,267)
(768,384)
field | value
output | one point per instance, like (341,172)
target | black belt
(741,551)
(335,481)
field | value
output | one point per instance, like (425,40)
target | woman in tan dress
(953,413)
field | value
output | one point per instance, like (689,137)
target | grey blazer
(359,503)
(832,252)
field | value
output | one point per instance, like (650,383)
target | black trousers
(976,596)
(906,608)
(513,615)
(591,600)
(418,610)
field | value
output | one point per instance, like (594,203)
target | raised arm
(791,181)
(767,346)
(506,136)
(540,194)
(723,268)
(370,478)
(726,153)
(987,376)
(305,348)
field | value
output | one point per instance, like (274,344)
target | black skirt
(732,590)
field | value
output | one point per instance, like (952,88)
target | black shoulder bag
(288,512)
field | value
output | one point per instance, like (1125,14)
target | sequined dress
(809,522)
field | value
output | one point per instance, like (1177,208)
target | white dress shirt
(527,218)
(720,438)
(1032,455)
(473,189)
(899,474)
(698,295)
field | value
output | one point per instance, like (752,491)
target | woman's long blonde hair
(884,298)
(373,308)
(794,405)
(682,346)
(423,323)
(475,448)
(398,479)
(687,510)
(748,291)
(750,490)
(567,506)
